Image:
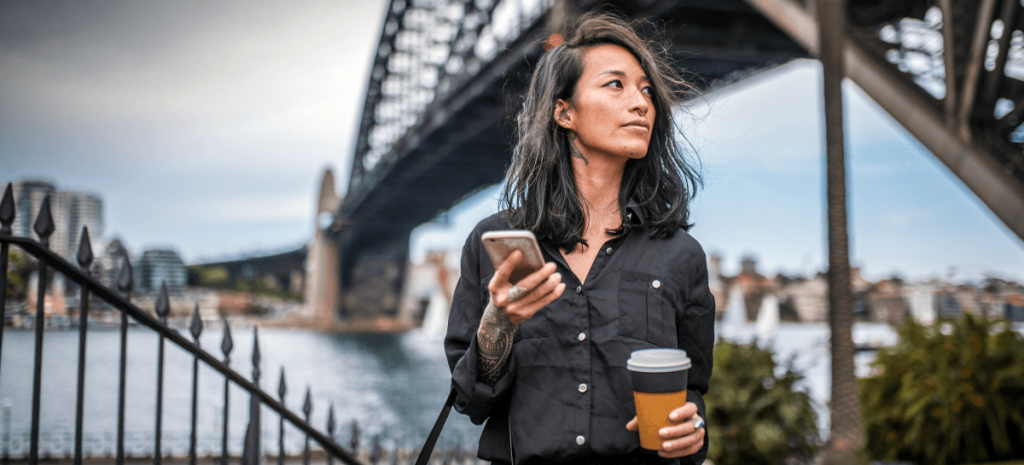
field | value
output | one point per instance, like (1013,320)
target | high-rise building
(161,266)
(111,261)
(28,198)
(84,209)
(70,211)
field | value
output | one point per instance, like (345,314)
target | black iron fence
(121,301)
(60,445)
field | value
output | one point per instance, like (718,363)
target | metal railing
(121,301)
(59,445)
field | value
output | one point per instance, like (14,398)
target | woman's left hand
(680,439)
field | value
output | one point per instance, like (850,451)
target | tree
(952,392)
(846,437)
(754,415)
(18,268)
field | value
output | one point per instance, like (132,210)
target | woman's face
(614,110)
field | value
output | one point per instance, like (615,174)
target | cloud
(186,115)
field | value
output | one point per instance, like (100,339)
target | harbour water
(393,385)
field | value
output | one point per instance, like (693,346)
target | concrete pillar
(323,281)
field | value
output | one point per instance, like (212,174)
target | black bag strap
(428,447)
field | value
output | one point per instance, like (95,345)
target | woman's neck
(598,181)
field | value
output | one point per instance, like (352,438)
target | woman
(598,176)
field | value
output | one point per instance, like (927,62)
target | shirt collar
(634,214)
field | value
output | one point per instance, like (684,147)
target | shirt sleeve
(697,337)
(473,397)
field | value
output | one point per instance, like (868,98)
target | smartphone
(500,244)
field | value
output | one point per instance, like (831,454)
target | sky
(206,126)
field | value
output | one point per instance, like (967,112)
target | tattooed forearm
(574,150)
(494,339)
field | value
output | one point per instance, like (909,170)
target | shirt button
(580,440)
(582,337)
(579,289)
(583,387)
(656,284)
(608,251)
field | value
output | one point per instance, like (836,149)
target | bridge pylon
(322,263)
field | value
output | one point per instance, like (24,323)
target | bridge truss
(435,123)
(951,72)
(435,126)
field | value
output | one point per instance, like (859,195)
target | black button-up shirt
(566,393)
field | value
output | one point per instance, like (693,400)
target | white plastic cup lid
(658,360)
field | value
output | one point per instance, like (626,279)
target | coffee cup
(659,387)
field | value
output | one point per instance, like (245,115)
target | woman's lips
(638,125)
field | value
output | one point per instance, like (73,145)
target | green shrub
(18,268)
(212,276)
(952,392)
(755,416)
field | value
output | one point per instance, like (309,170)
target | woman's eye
(614,83)
(647,90)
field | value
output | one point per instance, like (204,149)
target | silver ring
(698,422)
(515,292)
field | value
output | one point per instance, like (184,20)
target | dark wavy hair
(540,192)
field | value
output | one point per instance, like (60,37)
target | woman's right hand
(542,287)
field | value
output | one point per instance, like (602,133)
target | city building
(28,199)
(1013,309)
(921,301)
(84,209)
(969,299)
(110,262)
(754,286)
(948,304)
(886,303)
(717,284)
(160,266)
(808,297)
(70,211)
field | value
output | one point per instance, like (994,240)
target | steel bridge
(435,123)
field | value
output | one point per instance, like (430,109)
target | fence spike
(255,354)
(163,304)
(84,249)
(282,388)
(124,277)
(44,223)
(375,451)
(225,346)
(197,329)
(307,406)
(330,431)
(7,210)
(354,440)
(197,324)
(226,343)
(330,422)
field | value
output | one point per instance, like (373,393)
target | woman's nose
(639,103)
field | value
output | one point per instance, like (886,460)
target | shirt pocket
(535,326)
(645,312)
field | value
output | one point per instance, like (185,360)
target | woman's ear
(563,114)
